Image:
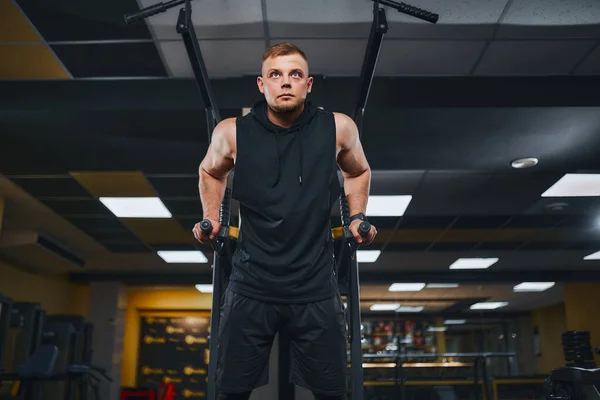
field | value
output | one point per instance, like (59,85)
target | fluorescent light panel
(489,305)
(204,288)
(384,307)
(409,309)
(367,256)
(406,287)
(455,321)
(442,285)
(437,329)
(387,206)
(575,185)
(473,263)
(136,207)
(593,256)
(533,286)
(182,256)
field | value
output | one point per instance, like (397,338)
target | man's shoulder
(343,122)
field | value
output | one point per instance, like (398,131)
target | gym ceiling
(93,107)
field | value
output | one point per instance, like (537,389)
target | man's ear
(260,84)
(310,83)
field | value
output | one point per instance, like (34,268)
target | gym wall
(550,323)
(143,301)
(582,310)
(55,293)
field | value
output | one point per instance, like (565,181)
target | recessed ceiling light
(593,256)
(409,309)
(204,288)
(406,287)
(442,285)
(455,321)
(384,307)
(387,206)
(526,162)
(367,256)
(182,256)
(575,185)
(533,286)
(136,207)
(489,305)
(473,263)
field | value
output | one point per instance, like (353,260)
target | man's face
(285,82)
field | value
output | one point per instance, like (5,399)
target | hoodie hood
(259,113)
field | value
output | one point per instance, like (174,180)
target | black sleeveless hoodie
(286,183)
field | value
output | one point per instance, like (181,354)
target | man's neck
(284,119)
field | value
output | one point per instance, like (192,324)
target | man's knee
(330,397)
(234,396)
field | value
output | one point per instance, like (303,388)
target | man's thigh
(246,332)
(318,339)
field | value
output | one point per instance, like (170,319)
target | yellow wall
(550,323)
(55,294)
(582,310)
(140,301)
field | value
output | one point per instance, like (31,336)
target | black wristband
(360,216)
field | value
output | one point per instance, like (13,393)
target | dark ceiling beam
(384,278)
(337,94)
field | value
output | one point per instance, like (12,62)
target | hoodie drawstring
(278,159)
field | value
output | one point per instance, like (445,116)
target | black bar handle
(151,10)
(412,11)
(206,226)
(364,228)
(418,13)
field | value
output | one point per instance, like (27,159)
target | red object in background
(167,391)
(138,394)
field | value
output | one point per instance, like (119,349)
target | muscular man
(285,152)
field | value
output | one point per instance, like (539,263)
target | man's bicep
(351,158)
(219,159)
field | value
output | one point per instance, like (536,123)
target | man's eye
(275,75)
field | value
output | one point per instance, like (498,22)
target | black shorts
(317,335)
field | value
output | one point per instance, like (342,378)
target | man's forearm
(212,191)
(357,189)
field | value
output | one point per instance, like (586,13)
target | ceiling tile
(532,57)
(572,205)
(425,222)
(96,223)
(392,246)
(551,19)
(113,235)
(480,222)
(347,61)
(458,19)
(184,207)
(423,57)
(510,193)
(66,20)
(446,193)
(533,221)
(394,182)
(212,19)
(317,18)
(591,64)
(223,58)
(175,186)
(111,60)
(457,246)
(77,207)
(120,247)
(52,187)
